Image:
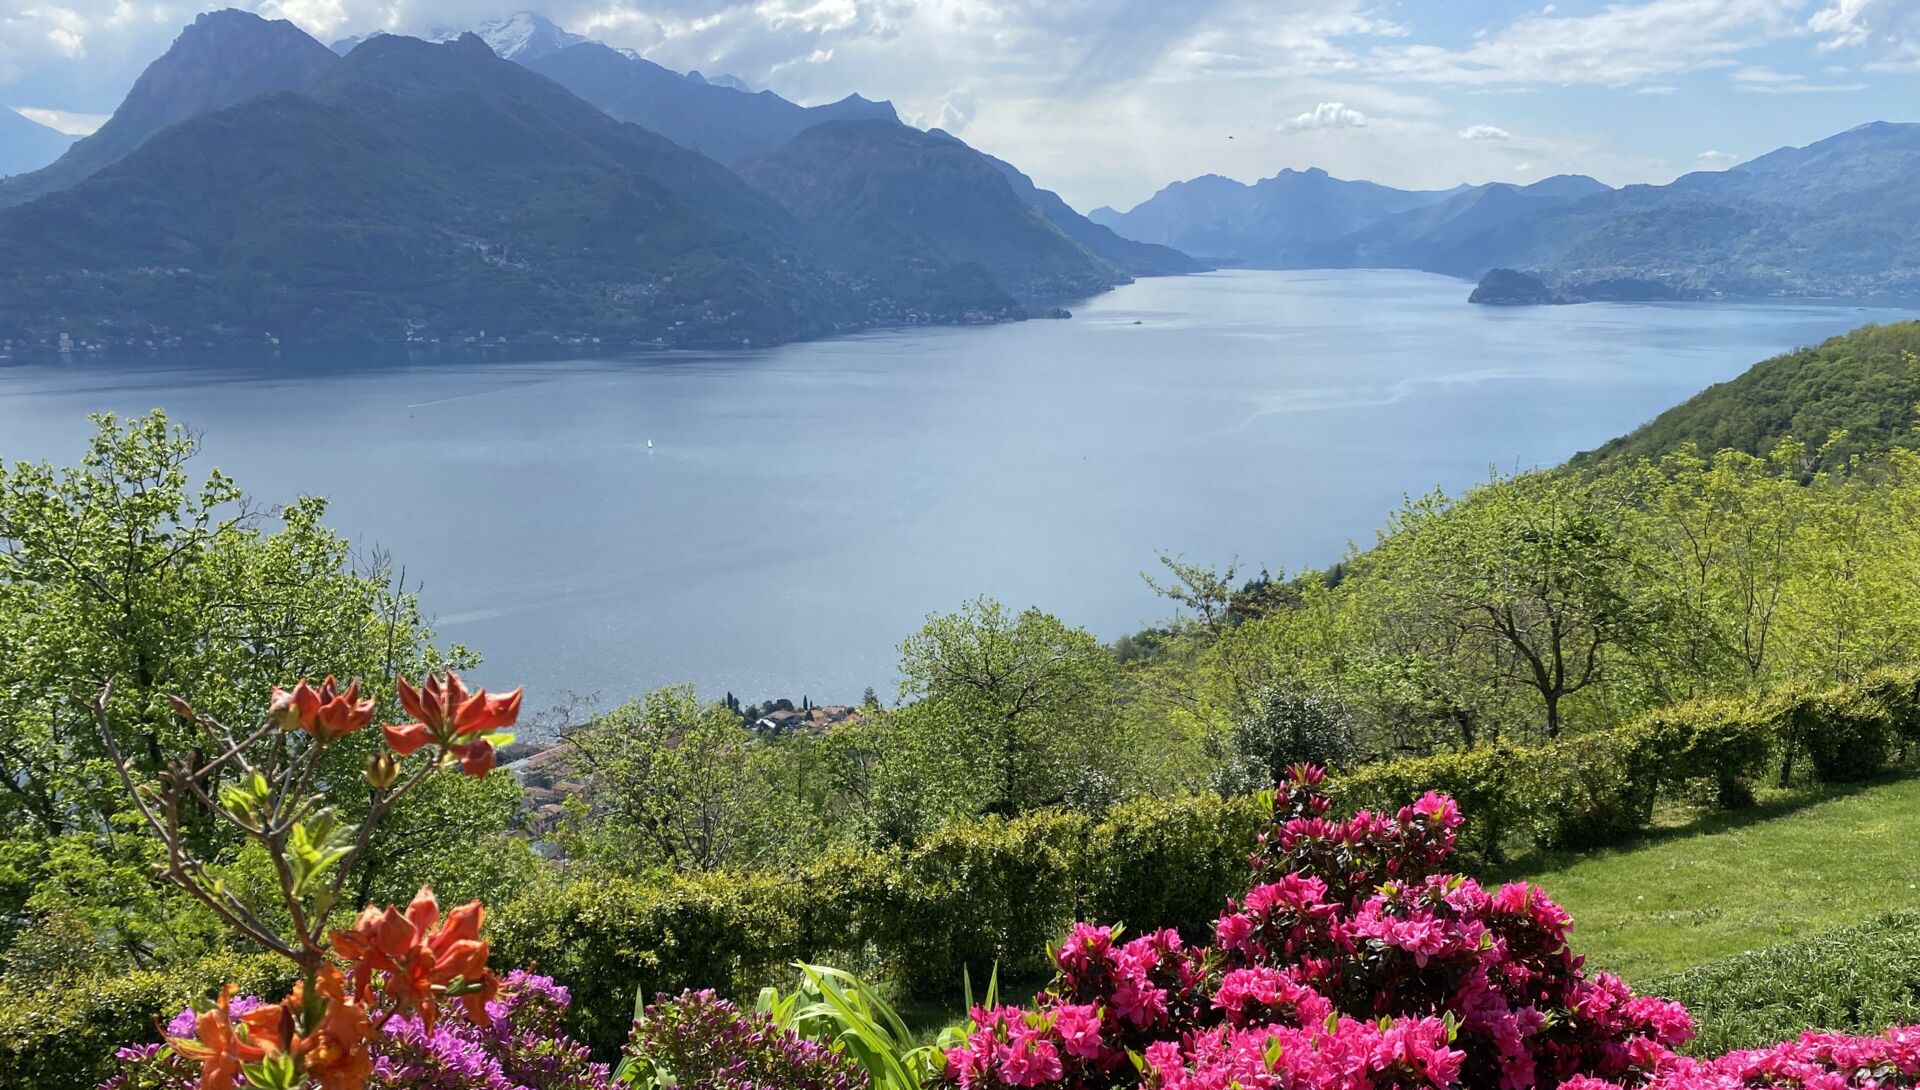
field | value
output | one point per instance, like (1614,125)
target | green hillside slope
(1866,382)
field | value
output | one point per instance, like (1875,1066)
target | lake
(801,509)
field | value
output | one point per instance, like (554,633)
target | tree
(123,568)
(672,782)
(1028,698)
(1723,534)
(1537,572)
(128,568)
(1290,725)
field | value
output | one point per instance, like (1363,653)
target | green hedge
(1598,787)
(1856,980)
(975,895)
(65,1040)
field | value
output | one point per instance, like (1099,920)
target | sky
(1106,101)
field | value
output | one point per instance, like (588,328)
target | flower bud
(382,770)
(283,712)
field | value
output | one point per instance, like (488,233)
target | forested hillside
(1866,384)
(390,202)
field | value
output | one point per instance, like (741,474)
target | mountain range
(393,197)
(521,182)
(256,184)
(1276,222)
(1837,218)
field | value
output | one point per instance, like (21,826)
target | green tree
(673,783)
(1289,725)
(1027,698)
(1533,580)
(130,567)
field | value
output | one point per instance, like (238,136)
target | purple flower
(521,1047)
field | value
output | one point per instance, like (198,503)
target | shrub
(1595,788)
(1353,962)
(1847,733)
(1727,741)
(518,1045)
(1813,1062)
(605,936)
(1157,863)
(700,1040)
(1860,979)
(1288,725)
(975,894)
(1485,782)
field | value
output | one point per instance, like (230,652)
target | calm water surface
(803,508)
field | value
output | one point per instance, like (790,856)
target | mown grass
(1701,888)
(1858,979)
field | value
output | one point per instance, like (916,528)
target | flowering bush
(1354,962)
(699,1040)
(516,1044)
(1817,1061)
(392,968)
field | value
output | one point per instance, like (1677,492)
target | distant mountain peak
(732,83)
(221,58)
(525,34)
(27,145)
(522,36)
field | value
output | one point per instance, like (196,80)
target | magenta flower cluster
(1353,963)
(1817,1061)
(700,1040)
(519,1046)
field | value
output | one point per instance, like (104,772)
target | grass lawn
(1726,883)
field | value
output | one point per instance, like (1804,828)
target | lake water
(801,509)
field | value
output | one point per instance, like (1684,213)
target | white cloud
(1485,132)
(1887,30)
(1763,80)
(1327,115)
(64,121)
(954,114)
(1715,159)
(1620,45)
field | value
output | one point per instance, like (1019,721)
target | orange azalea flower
(336,1055)
(476,758)
(325,713)
(419,956)
(406,737)
(445,712)
(217,1047)
(448,709)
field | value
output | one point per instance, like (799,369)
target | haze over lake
(802,508)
